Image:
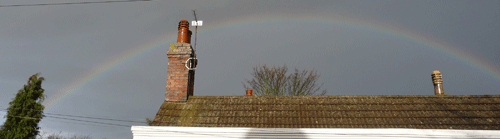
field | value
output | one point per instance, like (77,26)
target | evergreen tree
(25,111)
(149,122)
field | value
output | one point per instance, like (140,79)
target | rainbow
(483,65)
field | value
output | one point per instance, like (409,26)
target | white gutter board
(164,132)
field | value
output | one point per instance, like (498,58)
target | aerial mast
(196,23)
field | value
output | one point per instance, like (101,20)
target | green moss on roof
(432,112)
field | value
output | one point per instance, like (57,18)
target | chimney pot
(249,92)
(184,35)
(437,79)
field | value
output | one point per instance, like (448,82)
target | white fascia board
(162,132)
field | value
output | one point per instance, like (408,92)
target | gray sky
(113,56)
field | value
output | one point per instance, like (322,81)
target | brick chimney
(437,79)
(180,80)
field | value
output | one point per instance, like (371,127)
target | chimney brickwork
(180,80)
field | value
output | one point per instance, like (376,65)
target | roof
(421,112)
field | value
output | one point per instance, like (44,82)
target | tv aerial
(193,61)
(195,23)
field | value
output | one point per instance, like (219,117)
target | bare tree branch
(274,81)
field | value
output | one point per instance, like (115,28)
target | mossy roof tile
(427,112)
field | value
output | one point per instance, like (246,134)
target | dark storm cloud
(66,43)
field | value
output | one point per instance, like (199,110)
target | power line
(69,3)
(77,116)
(25,117)
(78,123)
(50,115)
(55,117)
(94,118)
(87,121)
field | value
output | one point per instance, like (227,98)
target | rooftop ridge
(358,96)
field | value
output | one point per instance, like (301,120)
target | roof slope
(424,112)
